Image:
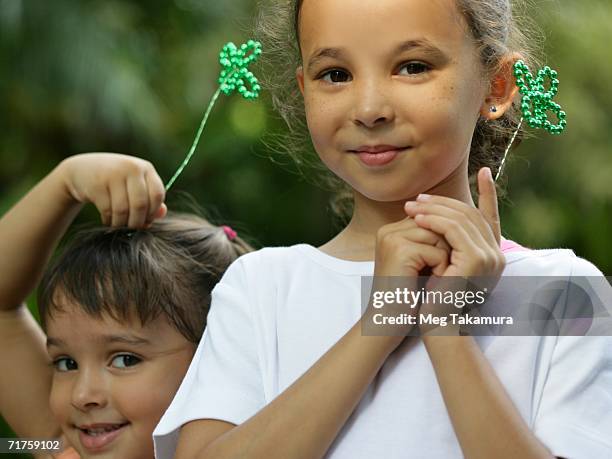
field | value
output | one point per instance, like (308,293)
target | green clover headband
(536,103)
(234,76)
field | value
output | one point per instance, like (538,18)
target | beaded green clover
(235,62)
(234,76)
(536,100)
(536,103)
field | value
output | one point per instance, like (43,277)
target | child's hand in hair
(126,190)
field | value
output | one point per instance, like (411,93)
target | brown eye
(415,68)
(125,361)
(65,364)
(336,76)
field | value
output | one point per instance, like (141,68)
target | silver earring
(493,109)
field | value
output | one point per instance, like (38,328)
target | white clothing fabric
(278,310)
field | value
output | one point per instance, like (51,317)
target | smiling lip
(99,441)
(377,148)
(379,155)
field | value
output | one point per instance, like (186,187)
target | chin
(384,193)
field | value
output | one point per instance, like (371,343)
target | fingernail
(488,173)
(423,197)
(411,204)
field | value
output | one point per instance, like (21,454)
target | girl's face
(397,75)
(113,381)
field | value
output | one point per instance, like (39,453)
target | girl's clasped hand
(443,237)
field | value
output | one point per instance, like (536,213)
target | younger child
(123,309)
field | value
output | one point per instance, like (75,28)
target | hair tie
(229,232)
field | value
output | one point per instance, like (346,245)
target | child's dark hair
(493,26)
(167,270)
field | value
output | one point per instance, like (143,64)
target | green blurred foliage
(135,77)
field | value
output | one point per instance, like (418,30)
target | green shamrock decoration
(536,103)
(536,100)
(235,62)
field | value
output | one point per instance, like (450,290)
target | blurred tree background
(135,77)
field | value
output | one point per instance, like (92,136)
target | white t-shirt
(278,310)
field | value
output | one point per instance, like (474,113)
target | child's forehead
(379,23)
(71,316)
(73,327)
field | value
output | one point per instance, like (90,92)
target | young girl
(405,101)
(123,309)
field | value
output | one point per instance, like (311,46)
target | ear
(503,89)
(299,75)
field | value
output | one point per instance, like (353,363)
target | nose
(372,105)
(89,390)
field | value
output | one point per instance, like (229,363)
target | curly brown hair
(498,28)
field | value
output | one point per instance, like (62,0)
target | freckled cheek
(324,121)
(446,110)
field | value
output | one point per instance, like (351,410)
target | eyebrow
(54,342)
(408,45)
(109,339)
(126,339)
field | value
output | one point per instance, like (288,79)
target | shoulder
(268,257)
(550,262)
(264,264)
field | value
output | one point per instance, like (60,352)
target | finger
(425,236)
(487,201)
(442,244)
(120,204)
(138,197)
(102,201)
(438,202)
(473,230)
(161,213)
(401,225)
(452,231)
(429,256)
(406,228)
(157,194)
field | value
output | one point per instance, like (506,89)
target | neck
(357,241)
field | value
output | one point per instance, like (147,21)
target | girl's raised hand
(127,191)
(473,234)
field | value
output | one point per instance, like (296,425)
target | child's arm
(29,233)
(485,420)
(305,419)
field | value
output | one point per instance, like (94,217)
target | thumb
(161,212)
(487,201)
